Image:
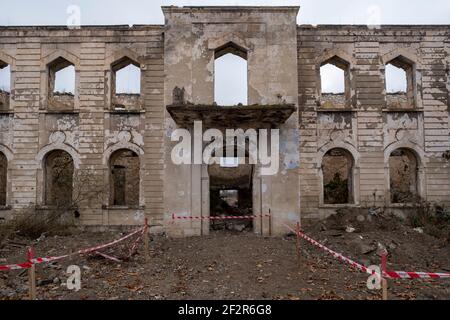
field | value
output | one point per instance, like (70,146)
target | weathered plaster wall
(283,60)
(376,130)
(91,131)
(269,36)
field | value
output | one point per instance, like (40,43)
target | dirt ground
(239,265)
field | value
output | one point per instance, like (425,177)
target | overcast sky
(51,12)
(54,12)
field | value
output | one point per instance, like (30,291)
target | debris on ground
(230,265)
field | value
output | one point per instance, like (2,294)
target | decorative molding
(127,145)
(60,53)
(58,145)
(7,152)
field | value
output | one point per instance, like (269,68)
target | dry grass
(31,225)
(434,219)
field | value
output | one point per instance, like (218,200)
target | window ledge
(403,205)
(68,111)
(4,208)
(6,112)
(112,207)
(112,111)
(336,110)
(338,206)
(402,110)
(52,207)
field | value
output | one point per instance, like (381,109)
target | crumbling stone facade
(95,124)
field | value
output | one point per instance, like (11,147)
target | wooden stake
(384,283)
(146,246)
(297,244)
(270,223)
(201,225)
(31,275)
(261,224)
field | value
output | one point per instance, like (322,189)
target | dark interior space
(231,195)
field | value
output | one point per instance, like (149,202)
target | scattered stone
(239,227)
(54,265)
(45,282)
(289,236)
(381,249)
(22,289)
(349,229)
(375,211)
(418,229)
(366,249)
(7,293)
(392,245)
(359,246)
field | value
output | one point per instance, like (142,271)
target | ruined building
(107,152)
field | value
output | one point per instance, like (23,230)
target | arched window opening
(65,81)
(128,80)
(61,85)
(334,90)
(333,80)
(399,75)
(5,85)
(3,178)
(59,170)
(125,180)
(126,85)
(230,76)
(403,176)
(337,170)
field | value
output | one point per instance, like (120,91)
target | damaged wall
(382,123)
(283,62)
(267,35)
(90,131)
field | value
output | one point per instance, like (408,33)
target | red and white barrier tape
(218,217)
(415,275)
(138,239)
(18,266)
(28,264)
(333,253)
(386,274)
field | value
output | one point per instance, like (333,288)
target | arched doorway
(337,176)
(59,170)
(124,167)
(403,176)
